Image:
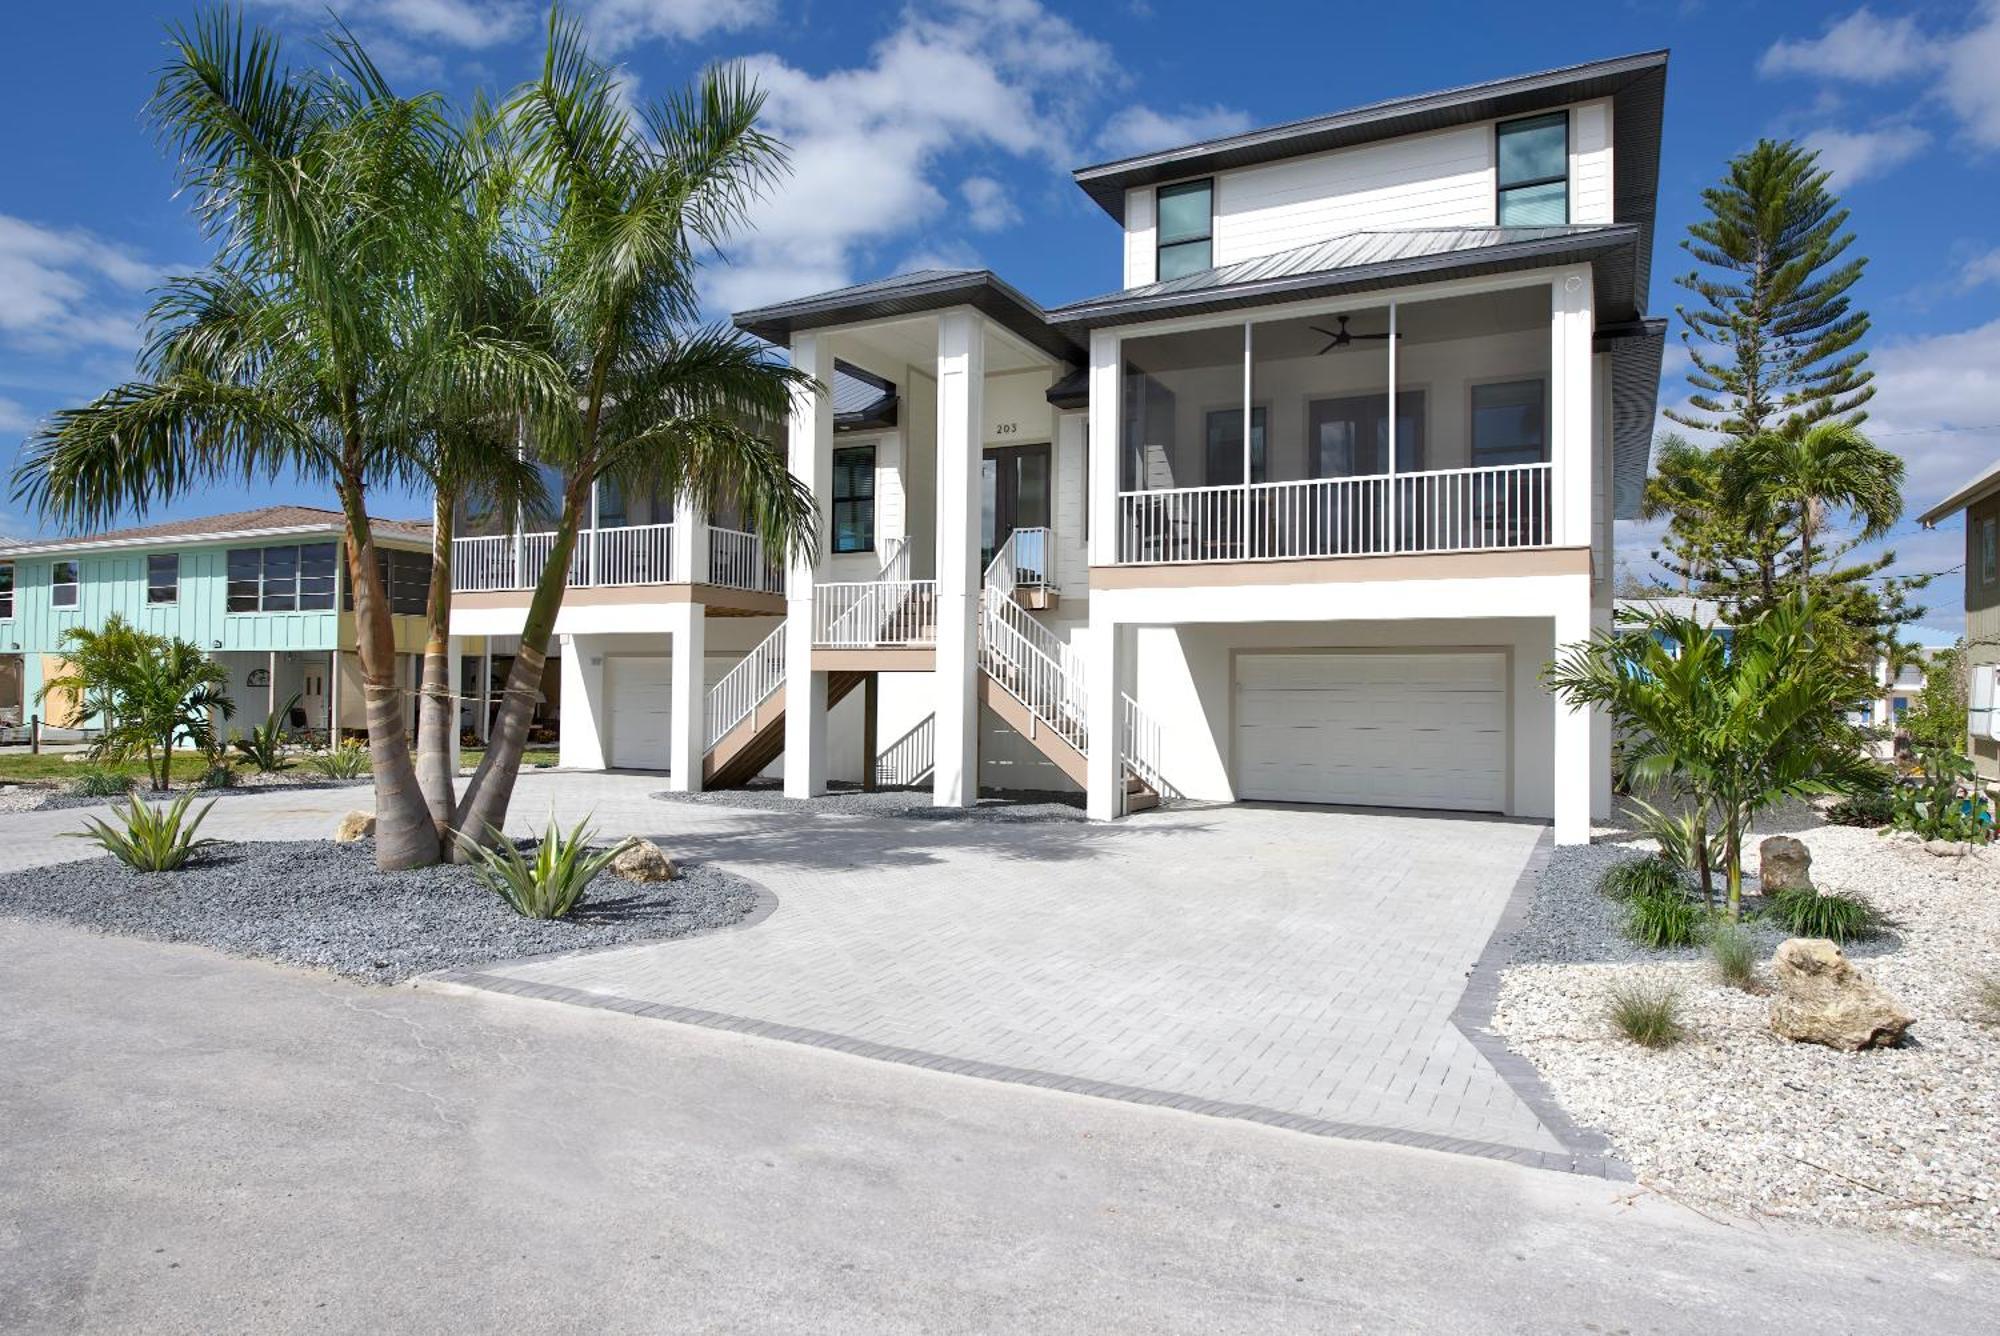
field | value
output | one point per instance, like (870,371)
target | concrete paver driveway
(1298,964)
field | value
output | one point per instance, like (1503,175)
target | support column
(1571,324)
(333,699)
(961,368)
(1104,670)
(1573,763)
(271,684)
(688,624)
(870,747)
(1103,444)
(689,561)
(810,451)
(483,727)
(454,654)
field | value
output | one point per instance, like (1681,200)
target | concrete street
(200,1144)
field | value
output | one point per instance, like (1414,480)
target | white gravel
(1905,1140)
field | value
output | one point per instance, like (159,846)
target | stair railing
(1052,693)
(746,686)
(1141,744)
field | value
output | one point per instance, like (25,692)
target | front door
(1013,494)
(313,699)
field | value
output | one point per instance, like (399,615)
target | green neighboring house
(263,591)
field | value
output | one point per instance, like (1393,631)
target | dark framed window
(316,567)
(246,566)
(1989,550)
(163,577)
(282,579)
(1533,158)
(1349,437)
(406,581)
(6,590)
(64,579)
(1186,228)
(1223,441)
(1510,423)
(854,499)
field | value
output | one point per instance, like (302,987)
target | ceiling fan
(1341,338)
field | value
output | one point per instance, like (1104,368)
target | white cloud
(1140,129)
(1860,48)
(67,289)
(1970,84)
(1852,156)
(466,23)
(15,419)
(1983,268)
(989,205)
(615,25)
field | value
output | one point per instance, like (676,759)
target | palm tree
(1728,723)
(1685,489)
(304,345)
(1808,470)
(621,213)
(151,692)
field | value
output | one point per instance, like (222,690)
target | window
(406,580)
(1224,437)
(163,577)
(316,566)
(1349,437)
(1989,549)
(854,499)
(64,577)
(1187,228)
(6,591)
(281,579)
(245,567)
(1509,423)
(1533,159)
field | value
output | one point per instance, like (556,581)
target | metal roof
(911,294)
(263,522)
(1362,260)
(1976,490)
(861,399)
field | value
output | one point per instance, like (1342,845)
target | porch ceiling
(886,348)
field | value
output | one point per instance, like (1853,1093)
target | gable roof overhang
(1981,487)
(913,294)
(266,523)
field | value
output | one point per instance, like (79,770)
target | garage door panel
(639,711)
(1406,730)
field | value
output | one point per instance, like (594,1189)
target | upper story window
(1989,550)
(163,577)
(406,580)
(6,590)
(1510,423)
(64,579)
(281,579)
(1534,171)
(1187,228)
(854,499)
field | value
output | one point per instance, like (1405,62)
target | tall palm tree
(622,213)
(302,347)
(1809,470)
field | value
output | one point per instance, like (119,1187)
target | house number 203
(1006,428)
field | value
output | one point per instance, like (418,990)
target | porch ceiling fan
(1340,338)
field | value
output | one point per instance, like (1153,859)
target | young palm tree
(305,344)
(1808,470)
(622,212)
(151,693)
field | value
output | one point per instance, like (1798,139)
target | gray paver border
(1473,1016)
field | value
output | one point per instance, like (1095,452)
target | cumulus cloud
(988,204)
(1980,269)
(1860,48)
(615,25)
(1142,129)
(68,289)
(1852,156)
(14,417)
(466,23)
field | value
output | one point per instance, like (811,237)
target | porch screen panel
(1171,505)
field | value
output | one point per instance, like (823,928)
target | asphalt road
(190,1143)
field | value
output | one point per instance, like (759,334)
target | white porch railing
(869,614)
(1052,693)
(1022,562)
(1141,745)
(639,555)
(746,686)
(736,561)
(1449,510)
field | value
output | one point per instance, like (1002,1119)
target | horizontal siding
(1590,164)
(1141,255)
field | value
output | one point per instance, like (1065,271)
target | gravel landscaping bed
(55,800)
(323,904)
(903,804)
(1903,1140)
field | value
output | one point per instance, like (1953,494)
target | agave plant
(550,883)
(349,760)
(150,838)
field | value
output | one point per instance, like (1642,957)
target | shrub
(347,761)
(149,838)
(221,775)
(1647,1012)
(550,884)
(96,781)
(264,746)
(1734,951)
(1662,919)
(1651,875)
(1809,913)
(1863,809)
(1945,804)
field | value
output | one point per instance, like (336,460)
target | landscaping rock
(355,826)
(1946,848)
(1823,999)
(644,861)
(1784,864)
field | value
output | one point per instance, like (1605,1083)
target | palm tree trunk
(437,707)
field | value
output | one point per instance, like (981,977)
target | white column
(580,741)
(688,624)
(1104,668)
(960,412)
(1574,765)
(690,545)
(333,700)
(810,449)
(271,685)
(1102,549)
(483,727)
(454,679)
(1572,321)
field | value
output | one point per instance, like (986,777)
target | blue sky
(944,133)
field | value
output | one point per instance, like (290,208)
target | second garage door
(1380,730)
(639,724)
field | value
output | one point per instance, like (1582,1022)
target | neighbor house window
(1187,228)
(1224,438)
(1509,423)
(1533,159)
(6,591)
(854,499)
(1989,549)
(163,577)
(64,577)
(281,579)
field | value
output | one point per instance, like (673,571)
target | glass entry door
(1013,494)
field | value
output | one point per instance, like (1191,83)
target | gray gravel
(55,800)
(1570,922)
(324,905)
(902,804)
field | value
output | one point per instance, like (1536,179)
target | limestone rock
(643,860)
(1823,999)
(1784,864)
(355,826)
(1946,848)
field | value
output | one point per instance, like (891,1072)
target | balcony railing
(1450,510)
(736,561)
(639,555)
(873,614)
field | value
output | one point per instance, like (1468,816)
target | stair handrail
(895,561)
(1052,693)
(746,686)
(1141,741)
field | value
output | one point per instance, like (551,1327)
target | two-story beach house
(1978,503)
(262,591)
(1296,514)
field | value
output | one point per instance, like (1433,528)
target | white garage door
(1378,730)
(638,716)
